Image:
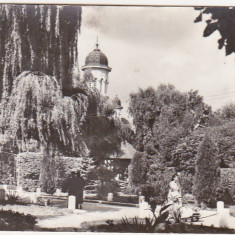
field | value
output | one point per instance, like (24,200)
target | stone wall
(28,169)
(227,180)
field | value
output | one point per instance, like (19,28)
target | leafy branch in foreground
(148,224)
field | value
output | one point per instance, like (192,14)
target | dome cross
(97,43)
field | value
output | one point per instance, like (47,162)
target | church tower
(96,70)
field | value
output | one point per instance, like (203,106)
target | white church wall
(102,76)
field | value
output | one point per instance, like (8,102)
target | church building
(96,74)
(96,63)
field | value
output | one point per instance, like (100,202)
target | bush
(101,173)
(159,177)
(207,172)
(105,179)
(12,197)
(186,182)
(14,221)
(107,187)
(138,169)
(127,199)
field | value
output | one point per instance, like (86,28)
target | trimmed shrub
(138,169)
(159,177)
(28,169)
(105,179)
(107,187)
(207,172)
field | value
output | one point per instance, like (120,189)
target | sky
(148,46)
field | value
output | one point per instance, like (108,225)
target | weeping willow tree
(80,125)
(37,110)
(39,99)
(41,38)
(38,38)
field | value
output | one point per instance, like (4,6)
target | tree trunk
(48,172)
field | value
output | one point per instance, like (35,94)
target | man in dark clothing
(74,185)
(79,192)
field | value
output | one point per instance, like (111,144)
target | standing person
(174,196)
(79,192)
(72,184)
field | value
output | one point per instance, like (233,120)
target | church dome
(117,103)
(96,57)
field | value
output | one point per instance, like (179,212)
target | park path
(92,214)
(98,213)
(53,217)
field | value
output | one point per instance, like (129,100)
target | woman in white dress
(174,197)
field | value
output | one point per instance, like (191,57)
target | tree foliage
(106,181)
(207,172)
(184,154)
(224,138)
(87,165)
(149,172)
(159,177)
(221,19)
(37,110)
(161,117)
(138,169)
(41,97)
(169,126)
(38,38)
(76,125)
